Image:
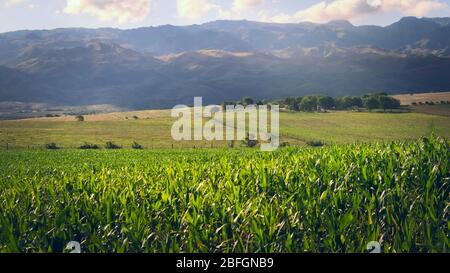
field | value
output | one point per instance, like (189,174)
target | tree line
(323,103)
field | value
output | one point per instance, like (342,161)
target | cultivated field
(152,129)
(437,110)
(332,199)
(376,180)
(408,99)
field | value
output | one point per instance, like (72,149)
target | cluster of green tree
(323,103)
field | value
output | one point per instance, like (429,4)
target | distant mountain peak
(409,21)
(340,24)
(443,21)
(222,60)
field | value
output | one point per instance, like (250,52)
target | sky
(50,14)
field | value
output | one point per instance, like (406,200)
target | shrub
(51,146)
(315,143)
(249,142)
(111,146)
(87,146)
(136,146)
(284,144)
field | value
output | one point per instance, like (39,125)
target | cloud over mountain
(411,7)
(336,10)
(122,11)
(194,9)
(352,9)
(243,5)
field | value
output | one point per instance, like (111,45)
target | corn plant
(327,199)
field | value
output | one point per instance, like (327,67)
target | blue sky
(49,14)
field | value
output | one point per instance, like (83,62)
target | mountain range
(159,67)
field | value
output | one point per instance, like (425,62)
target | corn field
(329,199)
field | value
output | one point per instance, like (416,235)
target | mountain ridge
(158,67)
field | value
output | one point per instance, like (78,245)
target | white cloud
(411,7)
(195,9)
(122,11)
(281,18)
(336,10)
(353,9)
(10,3)
(245,5)
(14,3)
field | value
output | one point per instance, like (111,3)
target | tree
(292,104)
(371,103)
(326,102)
(376,95)
(308,104)
(356,102)
(343,102)
(227,103)
(350,102)
(387,102)
(248,101)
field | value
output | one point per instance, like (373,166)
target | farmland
(409,99)
(376,179)
(331,199)
(152,129)
(224,127)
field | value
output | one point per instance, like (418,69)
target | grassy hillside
(152,129)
